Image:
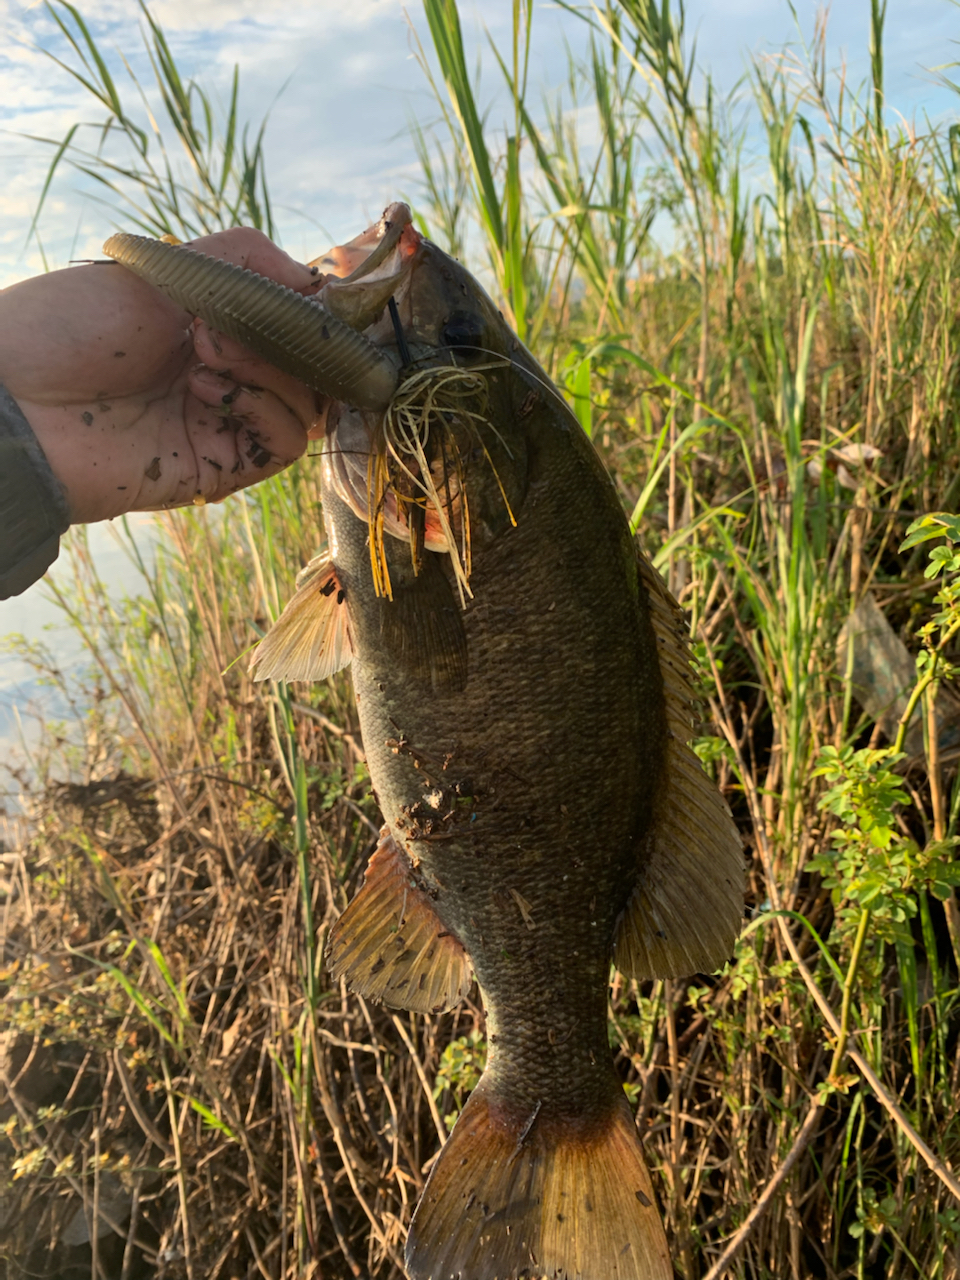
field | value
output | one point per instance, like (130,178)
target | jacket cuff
(33,506)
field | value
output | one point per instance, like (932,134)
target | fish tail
(514,1196)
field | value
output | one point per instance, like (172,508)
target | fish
(523,686)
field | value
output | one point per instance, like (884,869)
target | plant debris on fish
(522,681)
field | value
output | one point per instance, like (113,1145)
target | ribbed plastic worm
(295,334)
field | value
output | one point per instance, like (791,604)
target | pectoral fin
(311,638)
(390,944)
(421,630)
(687,907)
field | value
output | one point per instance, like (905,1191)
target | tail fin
(536,1197)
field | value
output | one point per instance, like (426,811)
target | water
(26,700)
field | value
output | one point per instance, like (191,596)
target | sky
(341,82)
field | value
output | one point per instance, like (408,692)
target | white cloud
(329,15)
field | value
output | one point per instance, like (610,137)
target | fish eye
(462,329)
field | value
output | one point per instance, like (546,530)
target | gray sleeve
(33,506)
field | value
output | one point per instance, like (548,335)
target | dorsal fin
(687,907)
(311,638)
(390,945)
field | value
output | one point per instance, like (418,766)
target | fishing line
(533,375)
(404,350)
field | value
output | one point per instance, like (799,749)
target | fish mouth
(404,471)
(359,278)
(371,253)
(319,340)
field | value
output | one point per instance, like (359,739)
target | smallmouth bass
(522,684)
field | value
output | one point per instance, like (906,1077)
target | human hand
(138,406)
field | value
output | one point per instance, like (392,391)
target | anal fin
(311,638)
(391,946)
(687,907)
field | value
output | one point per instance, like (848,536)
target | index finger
(247,247)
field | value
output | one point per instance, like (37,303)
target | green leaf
(938,524)
(212,1120)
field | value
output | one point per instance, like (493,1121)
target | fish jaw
(354,257)
(359,278)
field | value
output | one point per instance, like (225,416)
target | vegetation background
(770,373)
